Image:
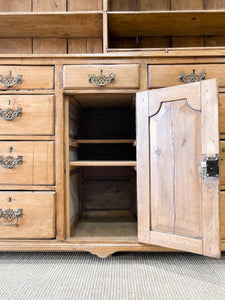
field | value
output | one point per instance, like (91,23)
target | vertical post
(59,152)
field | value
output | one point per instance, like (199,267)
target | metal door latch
(210,166)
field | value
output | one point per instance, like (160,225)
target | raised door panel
(178,204)
(175,149)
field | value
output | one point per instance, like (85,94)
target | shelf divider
(102,163)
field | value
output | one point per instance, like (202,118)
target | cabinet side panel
(74,199)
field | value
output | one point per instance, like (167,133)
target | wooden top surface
(126,53)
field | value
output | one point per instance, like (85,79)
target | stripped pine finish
(84,145)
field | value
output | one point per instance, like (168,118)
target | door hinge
(210,166)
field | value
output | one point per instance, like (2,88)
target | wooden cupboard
(112,132)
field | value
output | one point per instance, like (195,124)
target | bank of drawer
(26,77)
(27,115)
(82,77)
(168,75)
(32,215)
(27,163)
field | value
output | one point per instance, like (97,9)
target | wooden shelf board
(102,163)
(115,228)
(166,23)
(41,25)
(105,141)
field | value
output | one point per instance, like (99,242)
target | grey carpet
(129,276)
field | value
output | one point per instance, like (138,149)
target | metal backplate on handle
(9,114)
(10,162)
(9,81)
(10,216)
(101,80)
(192,77)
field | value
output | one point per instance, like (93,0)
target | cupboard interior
(102,200)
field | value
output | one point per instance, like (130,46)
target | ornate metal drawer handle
(10,215)
(101,80)
(9,81)
(9,114)
(192,77)
(10,162)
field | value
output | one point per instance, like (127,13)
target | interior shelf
(58,24)
(93,228)
(83,163)
(77,142)
(166,23)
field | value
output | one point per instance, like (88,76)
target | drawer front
(222,112)
(163,76)
(26,77)
(27,115)
(222,163)
(222,215)
(28,163)
(32,215)
(101,76)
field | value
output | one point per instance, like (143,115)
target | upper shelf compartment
(66,25)
(166,23)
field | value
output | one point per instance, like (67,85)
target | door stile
(210,185)
(143,167)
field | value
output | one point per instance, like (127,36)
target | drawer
(168,75)
(222,215)
(26,77)
(32,215)
(28,163)
(222,163)
(27,115)
(222,112)
(101,76)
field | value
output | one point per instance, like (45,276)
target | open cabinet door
(177,167)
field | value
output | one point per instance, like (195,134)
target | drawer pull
(9,81)
(10,215)
(9,114)
(10,162)
(192,77)
(101,80)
